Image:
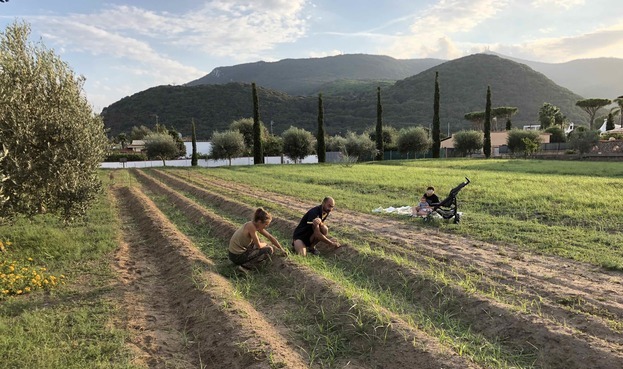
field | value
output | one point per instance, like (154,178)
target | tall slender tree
(486,148)
(321,147)
(258,149)
(194,158)
(436,129)
(379,126)
(610,122)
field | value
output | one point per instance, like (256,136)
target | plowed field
(393,296)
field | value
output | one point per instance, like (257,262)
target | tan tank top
(240,242)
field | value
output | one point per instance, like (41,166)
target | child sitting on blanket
(422,209)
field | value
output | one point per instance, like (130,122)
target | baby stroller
(448,207)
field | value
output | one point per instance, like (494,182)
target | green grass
(69,326)
(569,209)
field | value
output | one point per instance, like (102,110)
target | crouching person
(245,249)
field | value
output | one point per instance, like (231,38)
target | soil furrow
(544,275)
(396,344)
(216,327)
(515,329)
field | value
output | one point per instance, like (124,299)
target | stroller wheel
(457,218)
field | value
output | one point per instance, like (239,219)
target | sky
(124,47)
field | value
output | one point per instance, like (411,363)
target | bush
(517,140)
(336,143)
(615,135)
(468,142)
(413,139)
(360,146)
(583,141)
(557,135)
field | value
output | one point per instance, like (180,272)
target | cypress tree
(258,152)
(321,147)
(487,139)
(379,125)
(193,160)
(610,122)
(436,128)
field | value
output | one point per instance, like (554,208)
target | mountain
(408,102)
(212,107)
(463,85)
(307,76)
(591,78)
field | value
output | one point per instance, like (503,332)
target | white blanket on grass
(402,210)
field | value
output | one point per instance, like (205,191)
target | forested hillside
(408,102)
(308,76)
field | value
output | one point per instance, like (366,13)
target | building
(136,146)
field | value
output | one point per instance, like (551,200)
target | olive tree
(54,142)
(390,136)
(161,146)
(467,142)
(336,143)
(413,139)
(297,143)
(246,126)
(227,145)
(359,146)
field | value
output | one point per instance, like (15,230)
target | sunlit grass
(569,209)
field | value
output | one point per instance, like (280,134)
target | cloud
(452,16)
(243,29)
(565,4)
(322,54)
(232,28)
(605,42)
(431,33)
(81,37)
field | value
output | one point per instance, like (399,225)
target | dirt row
(565,334)
(548,277)
(180,312)
(389,343)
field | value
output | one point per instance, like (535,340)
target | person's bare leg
(300,247)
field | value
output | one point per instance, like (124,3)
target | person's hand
(335,243)
(317,221)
